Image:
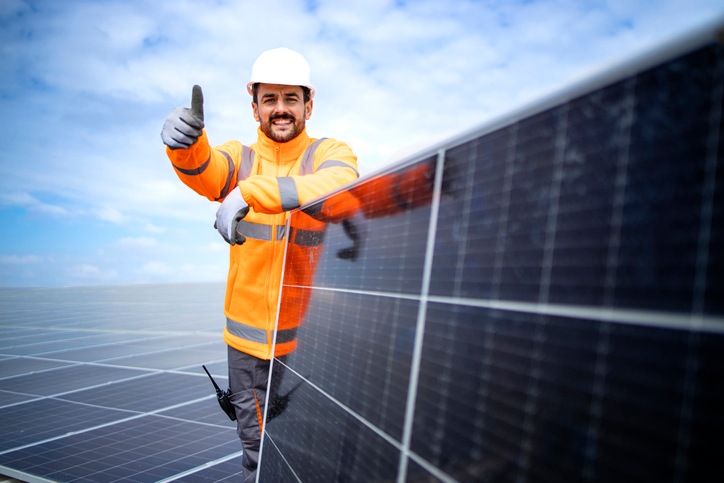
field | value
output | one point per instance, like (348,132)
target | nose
(280,107)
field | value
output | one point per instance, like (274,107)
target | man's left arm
(334,166)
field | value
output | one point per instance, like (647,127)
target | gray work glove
(232,210)
(183,126)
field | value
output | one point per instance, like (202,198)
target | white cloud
(88,272)
(152,228)
(219,247)
(156,268)
(20,259)
(29,202)
(182,272)
(137,242)
(111,214)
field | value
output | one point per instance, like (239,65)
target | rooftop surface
(106,383)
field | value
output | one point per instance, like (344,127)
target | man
(257,187)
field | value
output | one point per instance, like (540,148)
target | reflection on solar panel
(539,300)
(105,384)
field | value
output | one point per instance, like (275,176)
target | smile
(282,120)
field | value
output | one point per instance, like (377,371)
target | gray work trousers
(248,378)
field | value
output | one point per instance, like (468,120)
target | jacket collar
(289,152)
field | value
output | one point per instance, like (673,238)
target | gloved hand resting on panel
(232,210)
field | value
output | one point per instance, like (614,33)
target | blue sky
(87,195)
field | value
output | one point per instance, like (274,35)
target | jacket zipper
(272,251)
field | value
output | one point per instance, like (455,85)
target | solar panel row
(105,384)
(542,300)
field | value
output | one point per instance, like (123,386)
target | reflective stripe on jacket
(273,178)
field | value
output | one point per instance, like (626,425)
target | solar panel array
(540,300)
(105,384)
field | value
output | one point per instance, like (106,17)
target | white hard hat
(281,66)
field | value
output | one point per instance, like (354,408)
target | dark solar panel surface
(538,301)
(105,384)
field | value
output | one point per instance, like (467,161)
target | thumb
(197,102)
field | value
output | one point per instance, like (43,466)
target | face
(281,111)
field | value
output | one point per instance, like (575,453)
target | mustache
(288,116)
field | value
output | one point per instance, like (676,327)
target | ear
(308,109)
(255,110)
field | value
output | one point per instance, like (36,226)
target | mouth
(282,121)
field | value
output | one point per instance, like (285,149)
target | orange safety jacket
(273,178)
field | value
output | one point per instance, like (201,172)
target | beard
(285,132)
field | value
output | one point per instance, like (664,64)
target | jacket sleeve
(334,166)
(209,172)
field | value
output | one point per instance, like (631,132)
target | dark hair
(306,90)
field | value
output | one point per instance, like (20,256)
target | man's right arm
(203,169)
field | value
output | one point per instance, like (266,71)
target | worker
(257,186)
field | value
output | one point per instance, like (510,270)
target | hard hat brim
(250,88)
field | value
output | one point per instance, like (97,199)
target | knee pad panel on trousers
(248,414)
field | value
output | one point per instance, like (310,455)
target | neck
(288,151)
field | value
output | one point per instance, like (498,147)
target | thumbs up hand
(183,125)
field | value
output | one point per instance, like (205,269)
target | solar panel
(96,384)
(14,366)
(67,379)
(541,299)
(149,448)
(39,419)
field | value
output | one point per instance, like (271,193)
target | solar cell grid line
(15,365)
(571,322)
(222,470)
(700,281)
(715,142)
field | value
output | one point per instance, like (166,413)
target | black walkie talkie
(223,397)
